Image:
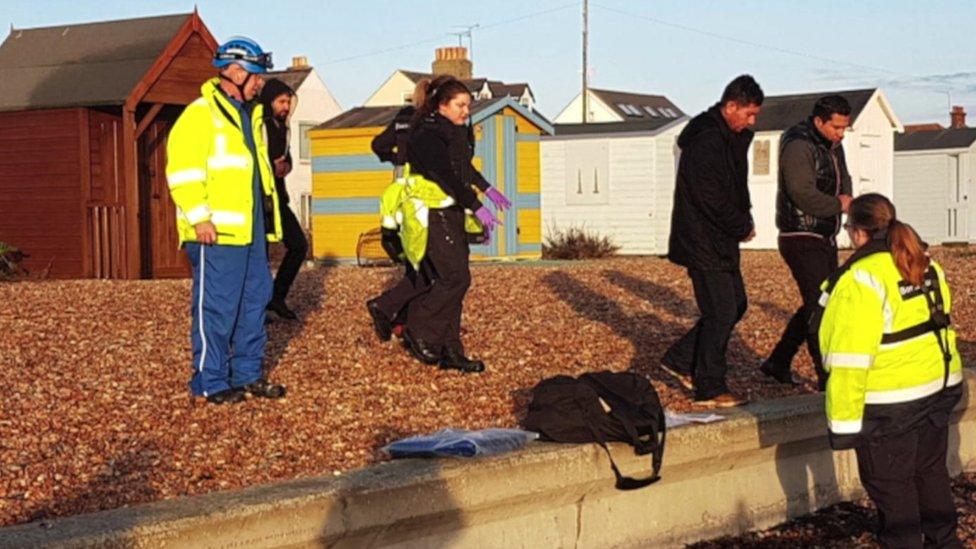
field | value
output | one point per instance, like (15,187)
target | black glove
(392,245)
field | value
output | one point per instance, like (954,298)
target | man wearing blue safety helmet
(222,182)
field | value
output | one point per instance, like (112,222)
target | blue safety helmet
(245,52)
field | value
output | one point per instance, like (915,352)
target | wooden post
(84,166)
(148,119)
(586,28)
(131,266)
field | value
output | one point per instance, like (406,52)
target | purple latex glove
(487,219)
(498,199)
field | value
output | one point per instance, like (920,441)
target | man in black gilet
(814,189)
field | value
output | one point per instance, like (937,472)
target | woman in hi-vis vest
(894,374)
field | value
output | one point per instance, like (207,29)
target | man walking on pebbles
(711,216)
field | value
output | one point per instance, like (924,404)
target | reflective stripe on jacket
(871,301)
(210,169)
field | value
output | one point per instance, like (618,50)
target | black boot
(455,360)
(420,349)
(278,307)
(381,325)
(264,389)
(229,396)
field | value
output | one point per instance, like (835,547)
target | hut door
(956,197)
(161,245)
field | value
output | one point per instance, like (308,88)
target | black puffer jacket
(711,212)
(391,144)
(441,151)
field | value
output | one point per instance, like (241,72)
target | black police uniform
(441,152)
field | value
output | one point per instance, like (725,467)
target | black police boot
(381,325)
(229,396)
(278,307)
(264,389)
(420,349)
(455,360)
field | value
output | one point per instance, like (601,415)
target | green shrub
(577,243)
(10,259)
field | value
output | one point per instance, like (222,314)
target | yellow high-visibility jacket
(210,169)
(884,367)
(405,204)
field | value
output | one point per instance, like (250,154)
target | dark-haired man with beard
(277,99)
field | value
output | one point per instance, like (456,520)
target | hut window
(304,148)
(760,157)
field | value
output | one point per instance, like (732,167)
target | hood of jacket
(710,121)
(271,90)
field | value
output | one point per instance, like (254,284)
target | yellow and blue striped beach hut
(347,178)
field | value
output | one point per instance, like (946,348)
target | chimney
(957,117)
(299,62)
(452,60)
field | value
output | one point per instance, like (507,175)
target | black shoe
(779,374)
(228,396)
(455,360)
(420,349)
(381,325)
(264,389)
(278,307)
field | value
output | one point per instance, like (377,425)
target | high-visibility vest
(405,205)
(210,169)
(878,341)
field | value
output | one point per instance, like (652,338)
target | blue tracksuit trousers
(231,287)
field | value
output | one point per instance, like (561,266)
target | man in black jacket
(711,216)
(814,189)
(277,97)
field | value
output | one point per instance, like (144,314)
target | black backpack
(566,409)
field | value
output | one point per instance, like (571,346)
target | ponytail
(420,93)
(430,94)
(909,252)
(875,214)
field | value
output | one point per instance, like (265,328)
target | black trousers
(906,477)
(395,301)
(811,260)
(296,249)
(721,298)
(435,315)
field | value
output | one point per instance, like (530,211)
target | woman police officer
(894,373)
(437,193)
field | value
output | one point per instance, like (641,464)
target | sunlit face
(859,237)
(281,106)
(253,86)
(833,129)
(740,117)
(457,109)
(252,83)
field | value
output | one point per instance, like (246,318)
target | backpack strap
(622,482)
(656,458)
(938,318)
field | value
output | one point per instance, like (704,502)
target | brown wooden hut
(84,114)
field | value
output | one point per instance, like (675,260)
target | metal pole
(585,26)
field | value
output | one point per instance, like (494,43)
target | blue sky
(920,53)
